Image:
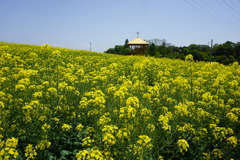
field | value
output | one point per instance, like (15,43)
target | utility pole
(211,51)
(90,46)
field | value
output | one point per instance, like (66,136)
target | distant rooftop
(137,41)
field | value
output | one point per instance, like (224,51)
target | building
(138,46)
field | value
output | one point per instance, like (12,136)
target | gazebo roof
(138,41)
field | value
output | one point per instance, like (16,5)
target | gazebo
(138,46)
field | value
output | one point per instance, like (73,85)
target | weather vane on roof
(137,34)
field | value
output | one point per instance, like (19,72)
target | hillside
(60,103)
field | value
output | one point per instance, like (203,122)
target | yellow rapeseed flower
(127,112)
(189,57)
(87,141)
(232,117)
(145,141)
(183,145)
(44,144)
(217,153)
(108,139)
(11,142)
(66,127)
(132,102)
(45,127)
(79,127)
(206,156)
(30,152)
(104,119)
(232,141)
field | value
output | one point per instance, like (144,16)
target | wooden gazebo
(137,46)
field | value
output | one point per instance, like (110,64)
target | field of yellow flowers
(70,104)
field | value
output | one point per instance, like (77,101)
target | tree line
(225,53)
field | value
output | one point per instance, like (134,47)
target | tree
(229,48)
(126,43)
(225,53)
(119,49)
(151,50)
(237,51)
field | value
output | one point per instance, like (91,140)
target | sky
(75,24)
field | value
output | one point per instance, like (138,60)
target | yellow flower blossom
(108,139)
(122,134)
(109,128)
(37,95)
(111,89)
(186,129)
(20,87)
(52,91)
(232,117)
(66,127)
(87,141)
(90,130)
(183,145)
(232,141)
(79,127)
(189,57)
(136,150)
(45,127)
(82,155)
(11,142)
(160,157)
(151,127)
(30,152)
(42,118)
(145,141)
(164,121)
(44,144)
(206,156)
(127,112)
(56,119)
(132,102)
(181,109)
(8,148)
(104,119)
(220,133)
(93,154)
(56,53)
(146,113)
(217,153)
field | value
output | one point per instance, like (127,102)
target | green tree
(126,43)
(151,50)
(237,51)
(119,49)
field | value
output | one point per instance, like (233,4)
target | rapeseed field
(59,103)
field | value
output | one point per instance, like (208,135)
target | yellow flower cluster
(87,141)
(233,141)
(44,144)
(143,145)
(165,119)
(220,133)
(93,154)
(217,153)
(183,145)
(55,101)
(30,152)
(145,141)
(8,148)
(66,127)
(45,127)
(79,127)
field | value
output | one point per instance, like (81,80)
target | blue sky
(106,23)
